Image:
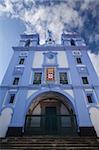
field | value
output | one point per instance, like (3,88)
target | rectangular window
(72,42)
(78,59)
(21,62)
(50,74)
(63,78)
(37,78)
(85,80)
(16,81)
(12,97)
(90,98)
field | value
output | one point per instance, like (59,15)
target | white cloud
(55,17)
(85,4)
(6,7)
(38,18)
(95,61)
(97,37)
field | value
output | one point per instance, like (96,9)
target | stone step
(52,138)
(18,143)
(51,148)
(56,142)
(49,142)
(48,139)
(59,143)
(52,145)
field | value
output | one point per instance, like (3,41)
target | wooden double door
(51,121)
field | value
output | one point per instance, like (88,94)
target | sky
(38,16)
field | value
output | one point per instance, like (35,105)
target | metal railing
(50,124)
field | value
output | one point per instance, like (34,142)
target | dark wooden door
(51,119)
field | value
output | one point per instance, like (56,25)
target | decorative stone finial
(49,38)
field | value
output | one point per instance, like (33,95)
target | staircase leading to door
(49,143)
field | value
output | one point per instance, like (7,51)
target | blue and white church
(49,89)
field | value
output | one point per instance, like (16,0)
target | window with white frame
(11,98)
(21,61)
(85,80)
(90,97)
(63,77)
(72,42)
(78,60)
(27,43)
(37,78)
(16,81)
(50,74)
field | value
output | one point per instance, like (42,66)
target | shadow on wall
(5,119)
(94,115)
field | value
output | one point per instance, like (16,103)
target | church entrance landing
(50,114)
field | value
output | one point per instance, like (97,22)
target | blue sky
(10,30)
(30,16)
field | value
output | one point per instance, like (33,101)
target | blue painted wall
(22,103)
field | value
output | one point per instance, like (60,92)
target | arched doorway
(50,113)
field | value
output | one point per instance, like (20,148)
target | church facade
(50,87)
